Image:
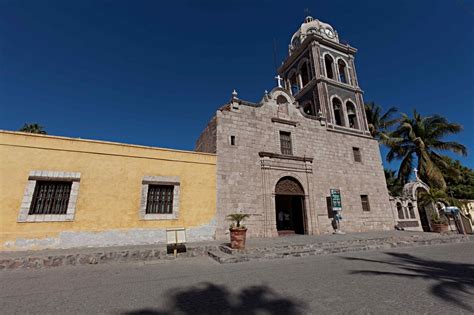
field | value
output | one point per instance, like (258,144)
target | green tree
(33,128)
(378,121)
(421,138)
(393,183)
(459,179)
(432,197)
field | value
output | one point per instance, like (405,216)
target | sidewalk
(257,248)
(307,245)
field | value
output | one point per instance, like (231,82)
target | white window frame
(160,180)
(35,176)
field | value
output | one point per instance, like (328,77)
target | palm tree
(422,137)
(33,128)
(379,122)
(393,184)
(237,218)
(432,197)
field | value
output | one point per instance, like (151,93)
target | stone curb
(98,256)
(225,255)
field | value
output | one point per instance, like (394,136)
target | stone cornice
(284,121)
(285,157)
(349,131)
(348,87)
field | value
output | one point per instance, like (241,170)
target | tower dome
(312,26)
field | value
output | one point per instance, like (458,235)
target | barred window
(357,155)
(160,199)
(50,197)
(285,143)
(365,202)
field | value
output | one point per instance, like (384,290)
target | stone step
(226,255)
(224,258)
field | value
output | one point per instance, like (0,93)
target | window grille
(285,143)
(357,155)
(50,197)
(160,199)
(365,202)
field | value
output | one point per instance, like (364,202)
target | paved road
(435,280)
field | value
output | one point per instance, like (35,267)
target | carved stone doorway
(289,207)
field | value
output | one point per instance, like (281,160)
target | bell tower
(320,74)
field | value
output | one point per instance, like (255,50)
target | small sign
(336,202)
(176,236)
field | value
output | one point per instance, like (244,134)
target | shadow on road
(208,298)
(452,279)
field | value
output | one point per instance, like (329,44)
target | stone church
(278,159)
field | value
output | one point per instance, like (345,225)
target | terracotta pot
(439,228)
(237,238)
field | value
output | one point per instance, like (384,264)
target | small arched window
(328,63)
(304,72)
(337,107)
(341,65)
(411,210)
(352,115)
(400,211)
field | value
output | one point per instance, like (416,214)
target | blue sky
(154,72)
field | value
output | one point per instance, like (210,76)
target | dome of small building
(312,26)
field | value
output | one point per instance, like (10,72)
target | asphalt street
(434,280)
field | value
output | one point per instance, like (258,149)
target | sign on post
(175,238)
(336,202)
(336,205)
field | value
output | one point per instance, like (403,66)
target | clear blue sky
(154,72)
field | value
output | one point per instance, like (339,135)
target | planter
(439,228)
(237,238)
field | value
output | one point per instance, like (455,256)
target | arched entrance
(422,210)
(289,207)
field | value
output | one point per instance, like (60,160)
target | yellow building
(58,192)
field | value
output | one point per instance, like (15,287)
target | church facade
(278,159)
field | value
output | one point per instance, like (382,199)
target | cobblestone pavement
(434,280)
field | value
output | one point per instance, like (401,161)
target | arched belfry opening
(289,207)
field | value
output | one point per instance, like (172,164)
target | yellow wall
(110,185)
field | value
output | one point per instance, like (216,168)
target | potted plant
(439,223)
(238,232)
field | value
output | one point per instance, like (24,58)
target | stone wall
(207,140)
(246,181)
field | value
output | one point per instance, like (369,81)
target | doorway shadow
(451,279)
(208,298)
